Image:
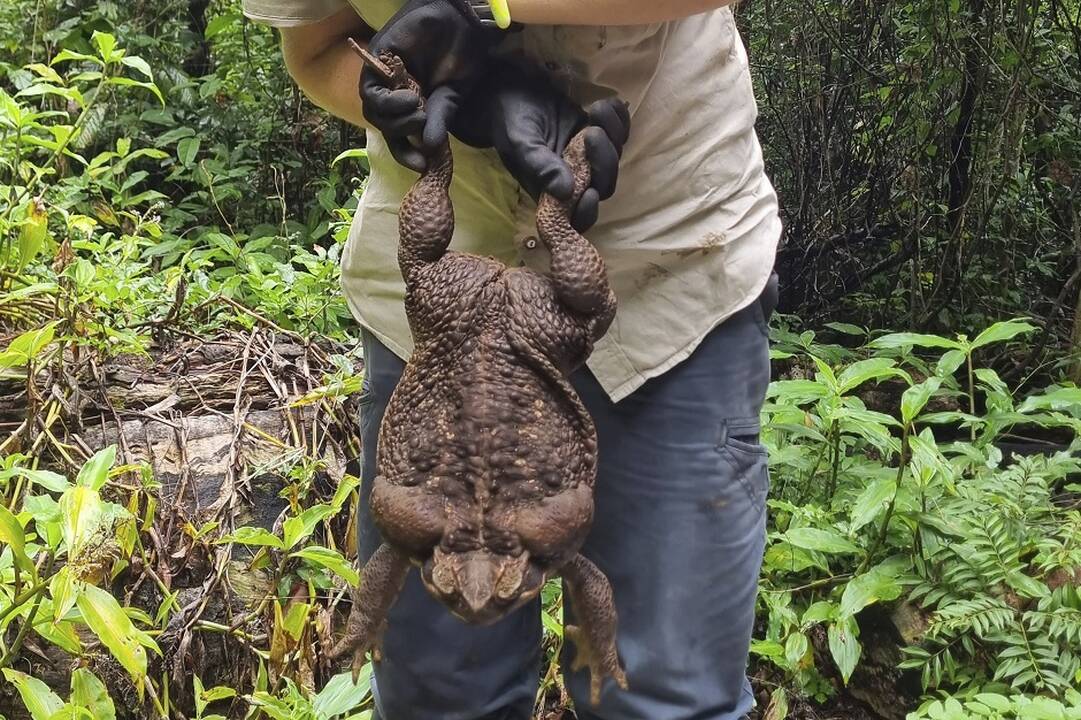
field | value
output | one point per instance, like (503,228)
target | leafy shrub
(870,507)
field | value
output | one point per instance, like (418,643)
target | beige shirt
(689,237)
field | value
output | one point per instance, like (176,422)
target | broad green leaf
(795,648)
(295,618)
(868,589)
(994,701)
(798,392)
(46,72)
(820,611)
(949,362)
(846,328)
(1057,399)
(786,557)
(905,339)
(827,541)
(66,55)
(106,46)
(341,694)
(298,528)
(258,537)
(216,694)
(1001,332)
(871,502)
(992,382)
(103,614)
(41,702)
(13,535)
(51,481)
(136,62)
(95,473)
(187,150)
(915,399)
(47,518)
(348,484)
(219,23)
(27,346)
(89,692)
(769,649)
(331,560)
(83,515)
(32,232)
(272,706)
(1027,586)
(354,153)
(826,375)
(64,589)
(61,634)
(128,82)
(845,646)
(863,371)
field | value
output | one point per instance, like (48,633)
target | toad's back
(486,414)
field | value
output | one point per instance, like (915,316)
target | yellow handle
(500,13)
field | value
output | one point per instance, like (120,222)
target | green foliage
(871,508)
(89,539)
(994,706)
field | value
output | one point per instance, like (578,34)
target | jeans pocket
(744,454)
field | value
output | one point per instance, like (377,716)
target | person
(689,235)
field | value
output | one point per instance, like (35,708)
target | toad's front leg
(384,575)
(595,636)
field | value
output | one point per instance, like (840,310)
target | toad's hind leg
(383,578)
(577,269)
(595,637)
(426,218)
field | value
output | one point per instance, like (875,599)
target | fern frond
(979,616)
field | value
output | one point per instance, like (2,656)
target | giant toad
(487,457)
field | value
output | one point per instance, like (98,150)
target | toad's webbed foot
(382,581)
(595,638)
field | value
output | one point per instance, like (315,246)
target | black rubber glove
(444,45)
(530,122)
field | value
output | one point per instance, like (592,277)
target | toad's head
(481,586)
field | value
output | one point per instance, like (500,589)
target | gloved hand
(444,45)
(530,122)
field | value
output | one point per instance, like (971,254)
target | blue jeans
(679,531)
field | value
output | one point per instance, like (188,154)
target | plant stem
(814,470)
(880,540)
(836,469)
(971,395)
(28,623)
(22,599)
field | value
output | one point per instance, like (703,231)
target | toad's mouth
(481,586)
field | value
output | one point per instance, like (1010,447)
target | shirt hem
(624,388)
(286,21)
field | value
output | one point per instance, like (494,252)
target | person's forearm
(607,12)
(320,61)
